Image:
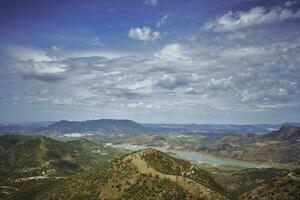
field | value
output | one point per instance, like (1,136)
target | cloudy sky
(165,61)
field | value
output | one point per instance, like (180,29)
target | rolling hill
(271,148)
(148,174)
(151,174)
(283,187)
(28,156)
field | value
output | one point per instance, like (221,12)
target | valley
(96,163)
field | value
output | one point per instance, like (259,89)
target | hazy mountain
(286,132)
(211,129)
(12,128)
(22,127)
(271,148)
(101,125)
(127,126)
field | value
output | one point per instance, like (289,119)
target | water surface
(194,156)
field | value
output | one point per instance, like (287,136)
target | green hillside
(170,165)
(282,187)
(130,177)
(28,156)
(43,168)
(271,148)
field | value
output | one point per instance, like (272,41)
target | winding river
(194,156)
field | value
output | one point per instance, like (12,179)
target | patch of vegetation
(27,156)
(283,187)
(154,188)
(169,165)
(120,179)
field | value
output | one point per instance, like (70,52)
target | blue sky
(165,61)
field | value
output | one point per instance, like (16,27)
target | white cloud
(152,3)
(220,83)
(232,21)
(56,64)
(42,70)
(172,81)
(63,54)
(162,21)
(144,34)
(172,53)
(45,67)
(236,36)
(210,76)
(31,63)
(95,41)
(143,87)
(140,105)
(24,54)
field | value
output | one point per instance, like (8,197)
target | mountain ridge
(102,125)
(286,132)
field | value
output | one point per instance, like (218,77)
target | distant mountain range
(105,126)
(276,147)
(109,126)
(207,129)
(101,125)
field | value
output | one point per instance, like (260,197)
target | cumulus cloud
(232,21)
(214,76)
(244,70)
(152,3)
(144,34)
